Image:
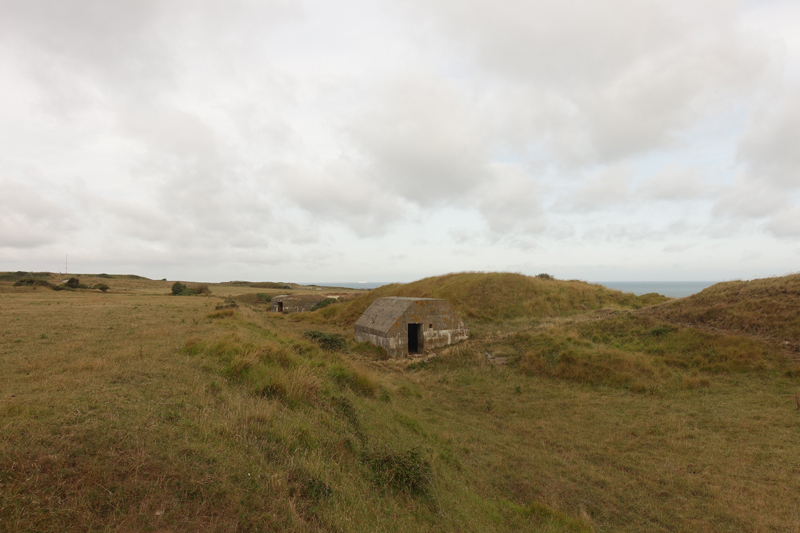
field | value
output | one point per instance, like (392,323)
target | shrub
(28,282)
(306,486)
(73,283)
(330,342)
(265,298)
(544,276)
(229,303)
(201,288)
(407,471)
(324,303)
(178,288)
(102,287)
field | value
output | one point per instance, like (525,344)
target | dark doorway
(414,344)
(280,307)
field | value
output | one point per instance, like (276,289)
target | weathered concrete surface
(295,303)
(386,324)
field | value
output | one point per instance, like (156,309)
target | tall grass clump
(358,381)
(401,470)
(330,342)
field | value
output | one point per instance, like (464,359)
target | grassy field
(136,410)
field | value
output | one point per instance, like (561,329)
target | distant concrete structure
(295,303)
(404,326)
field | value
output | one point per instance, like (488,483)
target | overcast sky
(367,140)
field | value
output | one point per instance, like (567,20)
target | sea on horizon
(674,289)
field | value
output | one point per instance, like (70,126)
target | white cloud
(301,136)
(749,198)
(31,217)
(769,148)
(605,190)
(674,183)
(786,223)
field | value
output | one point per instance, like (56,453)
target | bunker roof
(384,312)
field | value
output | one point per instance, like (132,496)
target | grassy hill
(136,410)
(501,296)
(767,307)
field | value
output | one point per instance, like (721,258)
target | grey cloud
(748,198)
(342,192)
(609,189)
(785,224)
(636,232)
(612,77)
(509,202)
(85,53)
(678,247)
(421,143)
(171,131)
(675,183)
(29,218)
(769,149)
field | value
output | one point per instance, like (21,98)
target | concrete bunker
(295,303)
(404,326)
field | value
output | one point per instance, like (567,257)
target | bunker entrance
(280,307)
(414,338)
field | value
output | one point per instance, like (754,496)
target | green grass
(136,411)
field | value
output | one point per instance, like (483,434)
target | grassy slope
(496,296)
(765,307)
(141,411)
(136,410)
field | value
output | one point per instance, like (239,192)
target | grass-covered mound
(498,296)
(767,307)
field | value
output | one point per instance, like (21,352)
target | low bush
(324,303)
(329,342)
(31,282)
(201,288)
(406,471)
(102,287)
(228,303)
(308,487)
(179,289)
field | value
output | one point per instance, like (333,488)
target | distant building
(295,303)
(404,326)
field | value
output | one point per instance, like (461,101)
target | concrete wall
(293,304)
(385,324)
